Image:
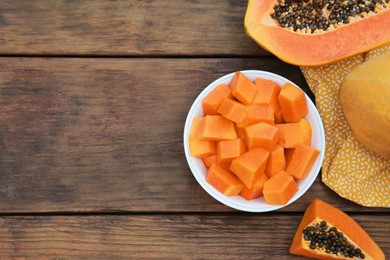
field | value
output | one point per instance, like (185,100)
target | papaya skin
(364,97)
(314,49)
(321,210)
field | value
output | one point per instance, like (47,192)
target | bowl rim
(218,195)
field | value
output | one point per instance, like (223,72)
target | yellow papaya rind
(364,98)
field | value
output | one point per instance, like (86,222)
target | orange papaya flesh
(257,188)
(215,128)
(279,189)
(242,155)
(201,148)
(257,113)
(223,180)
(293,103)
(243,88)
(207,161)
(306,131)
(213,100)
(301,161)
(333,225)
(306,49)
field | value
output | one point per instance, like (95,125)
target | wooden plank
(106,134)
(236,236)
(124,27)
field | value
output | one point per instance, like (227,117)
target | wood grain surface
(94,97)
(207,236)
(125,27)
(107,134)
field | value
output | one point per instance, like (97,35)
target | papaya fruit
(311,33)
(365,101)
(223,180)
(238,142)
(292,101)
(326,232)
(279,189)
(214,99)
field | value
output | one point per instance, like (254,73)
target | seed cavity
(317,16)
(320,236)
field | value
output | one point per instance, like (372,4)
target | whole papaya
(365,100)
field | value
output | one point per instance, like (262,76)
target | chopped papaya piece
(301,162)
(223,180)
(261,135)
(201,148)
(257,188)
(207,161)
(233,110)
(268,91)
(249,165)
(227,150)
(268,94)
(257,113)
(243,88)
(279,189)
(306,131)
(289,135)
(214,99)
(292,101)
(196,127)
(276,161)
(216,128)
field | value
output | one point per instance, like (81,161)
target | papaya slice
(368,29)
(328,226)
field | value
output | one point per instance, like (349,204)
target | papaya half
(326,232)
(311,33)
(365,100)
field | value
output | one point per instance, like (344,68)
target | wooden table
(93,97)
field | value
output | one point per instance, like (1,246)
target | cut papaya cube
(261,135)
(279,189)
(257,188)
(214,99)
(243,88)
(306,131)
(216,128)
(227,150)
(290,135)
(201,148)
(249,165)
(233,110)
(276,161)
(268,92)
(301,161)
(207,161)
(196,127)
(292,101)
(325,219)
(223,180)
(257,113)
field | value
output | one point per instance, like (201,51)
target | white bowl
(237,202)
